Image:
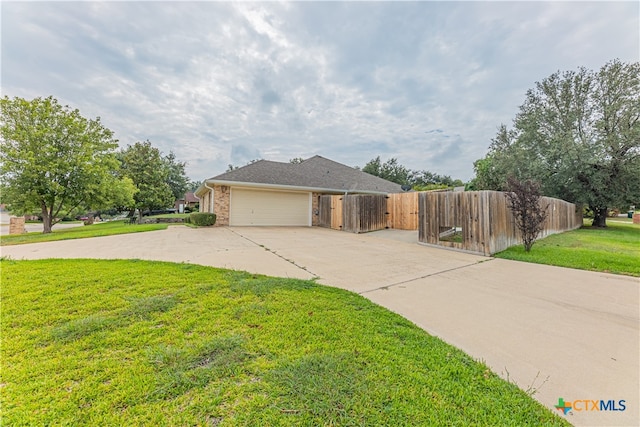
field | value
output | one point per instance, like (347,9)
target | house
(283,194)
(190,200)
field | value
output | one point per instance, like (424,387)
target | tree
(146,167)
(55,161)
(390,170)
(424,178)
(373,167)
(393,171)
(176,175)
(524,199)
(492,171)
(578,134)
(194,185)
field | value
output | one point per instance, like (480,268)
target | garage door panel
(277,208)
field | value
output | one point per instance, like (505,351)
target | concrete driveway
(560,333)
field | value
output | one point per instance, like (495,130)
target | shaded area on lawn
(150,343)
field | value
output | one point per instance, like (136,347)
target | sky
(221,83)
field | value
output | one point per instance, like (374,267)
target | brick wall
(16,225)
(315,206)
(221,204)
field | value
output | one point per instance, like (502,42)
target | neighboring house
(283,194)
(189,200)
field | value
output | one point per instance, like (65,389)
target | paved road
(561,332)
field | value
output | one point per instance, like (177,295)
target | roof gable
(316,172)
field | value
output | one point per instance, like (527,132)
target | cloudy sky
(219,83)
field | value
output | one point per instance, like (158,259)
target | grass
(147,343)
(619,219)
(62,222)
(175,215)
(455,238)
(615,249)
(94,230)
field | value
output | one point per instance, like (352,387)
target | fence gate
(403,211)
(363,213)
(330,212)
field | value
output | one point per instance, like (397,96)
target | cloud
(219,83)
(242,154)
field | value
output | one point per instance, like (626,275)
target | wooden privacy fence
(481,221)
(360,213)
(364,212)
(402,209)
(474,221)
(356,213)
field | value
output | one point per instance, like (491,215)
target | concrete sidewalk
(562,333)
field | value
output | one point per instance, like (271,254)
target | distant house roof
(190,198)
(315,173)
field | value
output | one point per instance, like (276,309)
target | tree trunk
(46,220)
(599,217)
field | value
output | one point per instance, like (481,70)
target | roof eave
(285,187)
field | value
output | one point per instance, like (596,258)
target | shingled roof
(317,173)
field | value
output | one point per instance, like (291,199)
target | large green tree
(176,175)
(55,161)
(194,185)
(578,134)
(145,166)
(390,170)
(393,171)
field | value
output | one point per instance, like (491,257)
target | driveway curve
(555,332)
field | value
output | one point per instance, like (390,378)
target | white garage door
(259,207)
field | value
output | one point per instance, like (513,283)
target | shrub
(525,202)
(202,219)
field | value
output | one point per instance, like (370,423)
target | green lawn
(618,219)
(95,230)
(615,249)
(175,215)
(94,342)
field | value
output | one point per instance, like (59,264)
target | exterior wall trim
(286,187)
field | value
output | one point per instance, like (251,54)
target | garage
(250,207)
